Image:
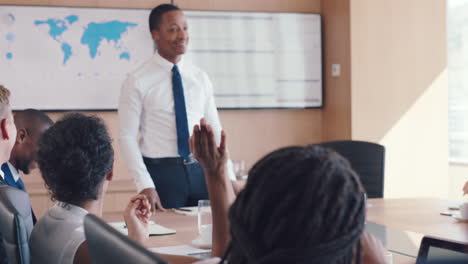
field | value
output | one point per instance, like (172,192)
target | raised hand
(204,148)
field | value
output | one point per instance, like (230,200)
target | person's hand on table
(205,150)
(372,250)
(465,188)
(137,216)
(153,199)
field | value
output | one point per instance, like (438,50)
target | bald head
(30,125)
(31,118)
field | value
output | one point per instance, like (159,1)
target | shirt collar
(14,172)
(76,210)
(167,65)
(2,174)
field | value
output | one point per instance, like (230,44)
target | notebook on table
(154,229)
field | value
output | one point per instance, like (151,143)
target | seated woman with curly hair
(76,159)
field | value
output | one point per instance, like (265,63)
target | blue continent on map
(56,29)
(71,19)
(125,55)
(110,31)
(67,52)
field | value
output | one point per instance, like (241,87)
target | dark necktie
(9,180)
(180,113)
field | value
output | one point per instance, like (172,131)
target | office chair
(442,251)
(367,159)
(107,245)
(16,224)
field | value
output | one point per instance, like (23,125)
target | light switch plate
(336,70)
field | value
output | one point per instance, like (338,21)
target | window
(457,35)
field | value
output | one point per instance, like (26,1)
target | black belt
(174,160)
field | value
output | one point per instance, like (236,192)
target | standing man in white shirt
(159,104)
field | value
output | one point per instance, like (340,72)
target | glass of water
(204,220)
(239,168)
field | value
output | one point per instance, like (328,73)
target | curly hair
(300,205)
(74,157)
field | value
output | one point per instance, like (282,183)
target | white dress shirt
(147,116)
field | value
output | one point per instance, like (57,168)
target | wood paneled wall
(336,26)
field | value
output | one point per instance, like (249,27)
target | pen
(183,209)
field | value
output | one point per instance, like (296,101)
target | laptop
(438,251)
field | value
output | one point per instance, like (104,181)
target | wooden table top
(416,215)
(185,226)
(420,215)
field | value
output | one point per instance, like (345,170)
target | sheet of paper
(154,229)
(192,211)
(184,250)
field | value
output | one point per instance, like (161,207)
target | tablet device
(439,251)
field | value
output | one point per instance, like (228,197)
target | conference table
(407,220)
(398,217)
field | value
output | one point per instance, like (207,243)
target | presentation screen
(57,58)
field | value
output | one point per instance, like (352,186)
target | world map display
(76,54)
(92,36)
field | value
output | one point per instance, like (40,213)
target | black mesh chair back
(16,224)
(108,246)
(367,159)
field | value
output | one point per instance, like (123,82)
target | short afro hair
(74,157)
(157,13)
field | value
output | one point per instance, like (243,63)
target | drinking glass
(204,220)
(239,168)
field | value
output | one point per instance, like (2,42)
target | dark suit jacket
(18,184)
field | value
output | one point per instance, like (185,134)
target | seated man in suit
(7,140)
(30,124)
(7,129)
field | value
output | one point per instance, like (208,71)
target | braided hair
(300,205)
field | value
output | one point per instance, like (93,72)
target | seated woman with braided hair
(300,205)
